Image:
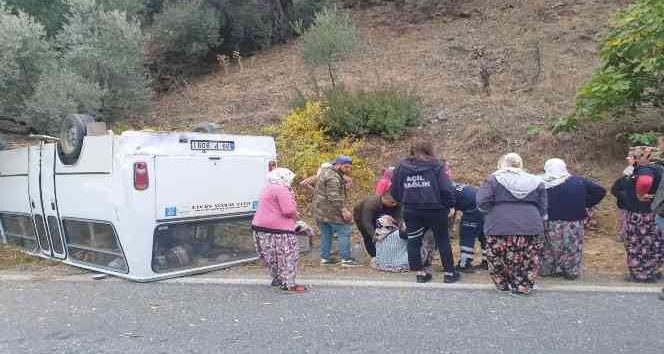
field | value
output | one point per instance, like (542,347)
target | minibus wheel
(206,127)
(72,131)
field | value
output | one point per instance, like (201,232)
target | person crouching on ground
(274,230)
(331,211)
(421,185)
(515,206)
(471,227)
(569,197)
(367,212)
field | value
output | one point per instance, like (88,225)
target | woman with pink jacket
(274,230)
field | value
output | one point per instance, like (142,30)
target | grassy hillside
(536,54)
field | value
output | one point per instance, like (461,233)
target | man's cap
(343,160)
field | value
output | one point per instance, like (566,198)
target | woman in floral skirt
(643,242)
(569,199)
(274,230)
(515,205)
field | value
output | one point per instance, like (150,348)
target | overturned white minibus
(141,205)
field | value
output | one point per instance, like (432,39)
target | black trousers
(417,223)
(367,236)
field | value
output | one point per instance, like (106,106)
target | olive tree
(24,55)
(107,48)
(331,36)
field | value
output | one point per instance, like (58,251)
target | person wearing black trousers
(421,185)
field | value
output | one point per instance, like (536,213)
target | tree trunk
(280,21)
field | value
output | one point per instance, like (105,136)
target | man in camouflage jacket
(331,211)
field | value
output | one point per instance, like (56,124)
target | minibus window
(94,243)
(54,230)
(202,243)
(19,231)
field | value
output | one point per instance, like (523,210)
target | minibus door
(34,188)
(42,200)
(49,201)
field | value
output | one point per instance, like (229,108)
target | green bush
(632,68)
(304,11)
(331,36)
(24,55)
(106,48)
(387,112)
(58,93)
(183,35)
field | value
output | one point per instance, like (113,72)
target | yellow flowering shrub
(302,147)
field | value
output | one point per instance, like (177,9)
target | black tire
(206,127)
(3,142)
(72,131)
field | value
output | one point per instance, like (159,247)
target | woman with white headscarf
(515,207)
(568,197)
(274,230)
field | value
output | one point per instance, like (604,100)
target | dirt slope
(536,52)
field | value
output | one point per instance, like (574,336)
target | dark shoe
(661,296)
(423,278)
(465,268)
(484,265)
(570,276)
(350,262)
(276,282)
(328,261)
(449,278)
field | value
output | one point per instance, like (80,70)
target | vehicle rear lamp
(141,179)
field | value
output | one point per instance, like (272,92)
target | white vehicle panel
(14,162)
(96,157)
(91,197)
(202,186)
(14,197)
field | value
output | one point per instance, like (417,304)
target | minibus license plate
(214,145)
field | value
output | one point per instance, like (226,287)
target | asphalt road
(122,317)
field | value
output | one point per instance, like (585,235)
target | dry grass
(536,53)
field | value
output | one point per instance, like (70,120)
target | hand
(346,215)
(646,197)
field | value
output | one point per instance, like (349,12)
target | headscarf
(651,153)
(385,225)
(555,173)
(511,175)
(281,176)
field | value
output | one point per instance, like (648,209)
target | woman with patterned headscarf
(643,242)
(569,197)
(515,207)
(274,230)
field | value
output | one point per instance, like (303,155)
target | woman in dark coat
(515,207)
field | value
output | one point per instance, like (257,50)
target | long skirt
(513,262)
(280,253)
(562,248)
(644,245)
